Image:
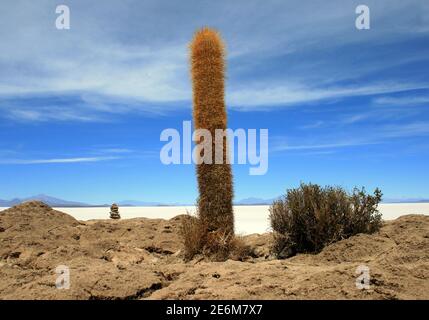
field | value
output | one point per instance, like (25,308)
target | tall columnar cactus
(208,79)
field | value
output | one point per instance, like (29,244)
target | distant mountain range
(406,200)
(255,201)
(137,203)
(259,201)
(51,201)
(56,202)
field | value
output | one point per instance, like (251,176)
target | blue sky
(81,110)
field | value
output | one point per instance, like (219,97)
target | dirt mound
(140,258)
(107,259)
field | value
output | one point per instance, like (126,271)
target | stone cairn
(114,212)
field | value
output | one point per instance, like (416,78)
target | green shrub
(310,217)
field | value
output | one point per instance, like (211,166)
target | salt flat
(249,219)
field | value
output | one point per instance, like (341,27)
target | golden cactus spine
(208,82)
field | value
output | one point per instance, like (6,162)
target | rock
(114,212)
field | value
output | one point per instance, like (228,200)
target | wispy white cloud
(379,135)
(313,125)
(115,150)
(315,152)
(402,101)
(413,129)
(111,53)
(334,145)
(356,118)
(55,161)
(256,97)
(51,113)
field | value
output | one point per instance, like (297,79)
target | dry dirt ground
(140,259)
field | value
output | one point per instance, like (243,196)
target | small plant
(310,217)
(193,236)
(217,245)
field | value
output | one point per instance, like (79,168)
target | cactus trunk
(214,180)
